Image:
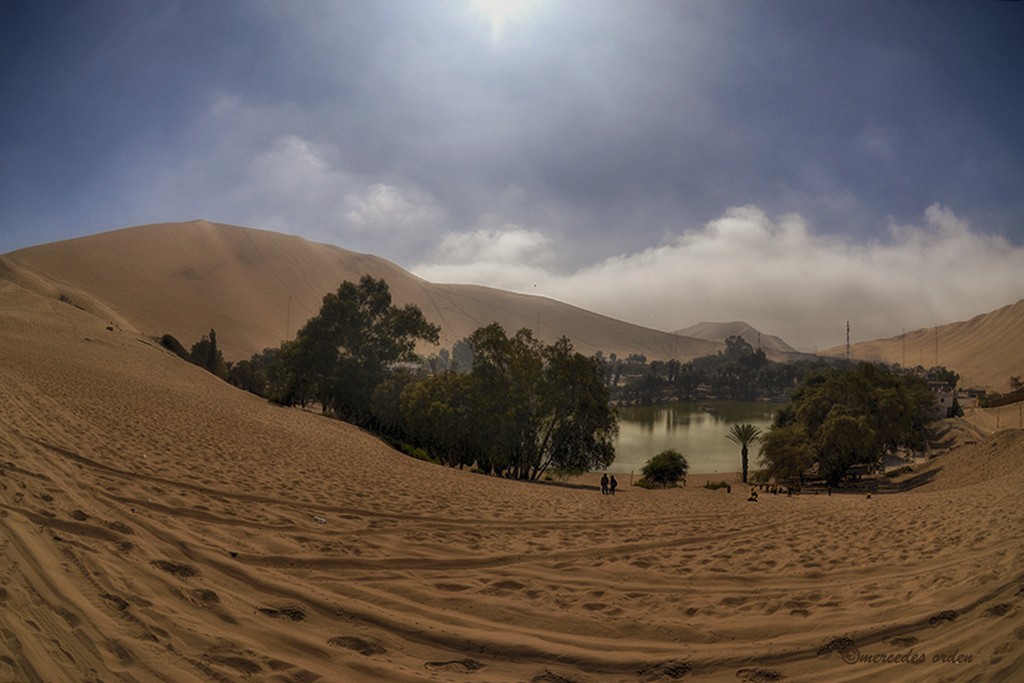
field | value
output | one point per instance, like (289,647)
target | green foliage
(438,413)
(264,374)
(786,452)
(665,469)
(524,408)
(744,435)
(843,418)
(205,354)
(739,372)
(511,405)
(714,486)
(342,354)
(542,406)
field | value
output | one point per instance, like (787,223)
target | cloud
(510,257)
(386,207)
(778,274)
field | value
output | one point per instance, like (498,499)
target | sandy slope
(721,331)
(256,288)
(159,525)
(986,350)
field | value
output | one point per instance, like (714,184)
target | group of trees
(514,406)
(739,372)
(523,408)
(846,417)
(508,404)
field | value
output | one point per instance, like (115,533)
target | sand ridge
(159,525)
(257,288)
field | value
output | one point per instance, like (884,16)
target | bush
(714,486)
(174,346)
(664,470)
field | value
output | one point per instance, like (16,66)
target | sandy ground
(158,525)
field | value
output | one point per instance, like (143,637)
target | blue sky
(648,160)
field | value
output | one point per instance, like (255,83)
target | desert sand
(157,524)
(985,350)
(256,288)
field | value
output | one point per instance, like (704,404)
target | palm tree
(744,435)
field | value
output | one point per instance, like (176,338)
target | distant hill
(256,288)
(986,350)
(719,332)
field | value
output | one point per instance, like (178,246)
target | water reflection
(698,431)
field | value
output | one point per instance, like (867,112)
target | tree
(844,417)
(343,353)
(437,413)
(665,469)
(844,441)
(578,423)
(539,406)
(744,435)
(786,453)
(205,354)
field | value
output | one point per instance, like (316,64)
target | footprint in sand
(461,666)
(758,675)
(176,568)
(291,612)
(363,647)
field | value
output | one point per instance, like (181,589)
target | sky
(791,163)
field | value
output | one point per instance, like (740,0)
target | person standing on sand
(612,484)
(604,484)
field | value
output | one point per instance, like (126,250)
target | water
(690,429)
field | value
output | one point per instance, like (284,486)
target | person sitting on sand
(604,484)
(612,484)
(753,495)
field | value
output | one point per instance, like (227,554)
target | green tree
(437,413)
(539,406)
(578,422)
(343,353)
(844,417)
(205,354)
(744,435)
(786,453)
(665,469)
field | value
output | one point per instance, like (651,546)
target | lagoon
(697,430)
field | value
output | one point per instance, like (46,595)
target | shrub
(664,470)
(174,346)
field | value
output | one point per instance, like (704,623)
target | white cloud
(511,257)
(776,274)
(386,207)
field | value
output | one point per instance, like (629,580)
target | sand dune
(159,525)
(722,331)
(256,288)
(985,350)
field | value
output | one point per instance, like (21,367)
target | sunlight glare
(500,12)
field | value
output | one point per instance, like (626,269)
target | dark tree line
(509,405)
(846,417)
(739,372)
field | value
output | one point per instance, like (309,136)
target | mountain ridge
(720,331)
(257,287)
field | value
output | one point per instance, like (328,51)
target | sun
(500,12)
